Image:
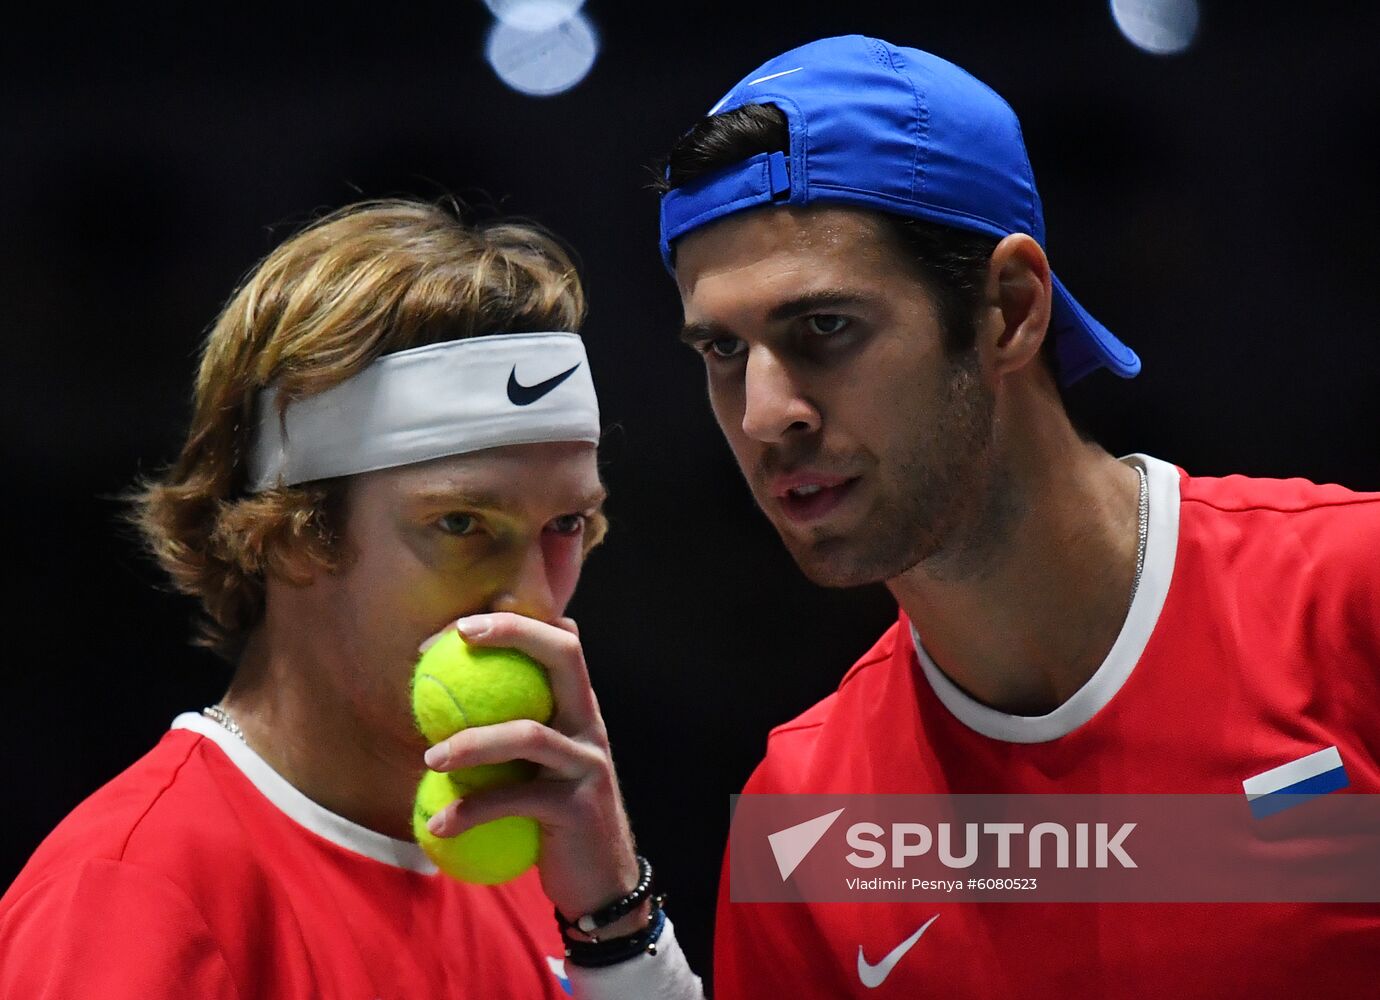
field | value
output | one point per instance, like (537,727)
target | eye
(723,347)
(458,524)
(825,324)
(567,524)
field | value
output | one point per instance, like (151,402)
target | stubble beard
(937,496)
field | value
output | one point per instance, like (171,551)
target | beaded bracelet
(591,922)
(611,951)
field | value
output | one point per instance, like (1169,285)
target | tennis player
(394,428)
(857,241)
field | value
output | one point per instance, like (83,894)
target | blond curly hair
(368,280)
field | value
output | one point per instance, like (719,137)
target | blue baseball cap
(896,130)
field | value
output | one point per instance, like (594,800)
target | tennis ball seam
(450,696)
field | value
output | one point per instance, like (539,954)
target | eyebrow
(493,501)
(801,305)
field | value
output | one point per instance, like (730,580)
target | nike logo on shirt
(525,395)
(873,976)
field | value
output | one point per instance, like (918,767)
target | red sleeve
(729,981)
(770,950)
(112,930)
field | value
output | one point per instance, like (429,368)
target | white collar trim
(302,810)
(1161,545)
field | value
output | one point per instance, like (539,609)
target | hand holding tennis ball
(456,686)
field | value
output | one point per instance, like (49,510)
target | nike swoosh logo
(773,76)
(526,395)
(873,976)
(751,83)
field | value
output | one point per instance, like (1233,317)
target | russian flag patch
(557,967)
(1295,782)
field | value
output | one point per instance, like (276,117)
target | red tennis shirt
(199,872)
(1252,641)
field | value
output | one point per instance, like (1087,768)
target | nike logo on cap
(751,83)
(773,76)
(525,395)
(873,976)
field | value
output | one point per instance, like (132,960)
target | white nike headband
(430,402)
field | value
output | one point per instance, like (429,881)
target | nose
(774,404)
(528,590)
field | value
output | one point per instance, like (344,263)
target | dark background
(1217,209)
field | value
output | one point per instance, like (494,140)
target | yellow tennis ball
(455,686)
(488,854)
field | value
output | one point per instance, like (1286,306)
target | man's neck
(1031,611)
(320,745)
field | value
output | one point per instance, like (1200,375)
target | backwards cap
(896,130)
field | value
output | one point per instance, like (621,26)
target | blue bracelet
(611,951)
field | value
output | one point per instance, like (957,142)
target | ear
(1017,295)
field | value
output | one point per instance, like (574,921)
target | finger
(434,638)
(556,805)
(521,739)
(566,624)
(557,649)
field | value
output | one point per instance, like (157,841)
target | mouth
(808,498)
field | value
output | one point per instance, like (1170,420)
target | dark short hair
(951,263)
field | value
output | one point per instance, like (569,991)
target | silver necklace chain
(1143,525)
(217,714)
